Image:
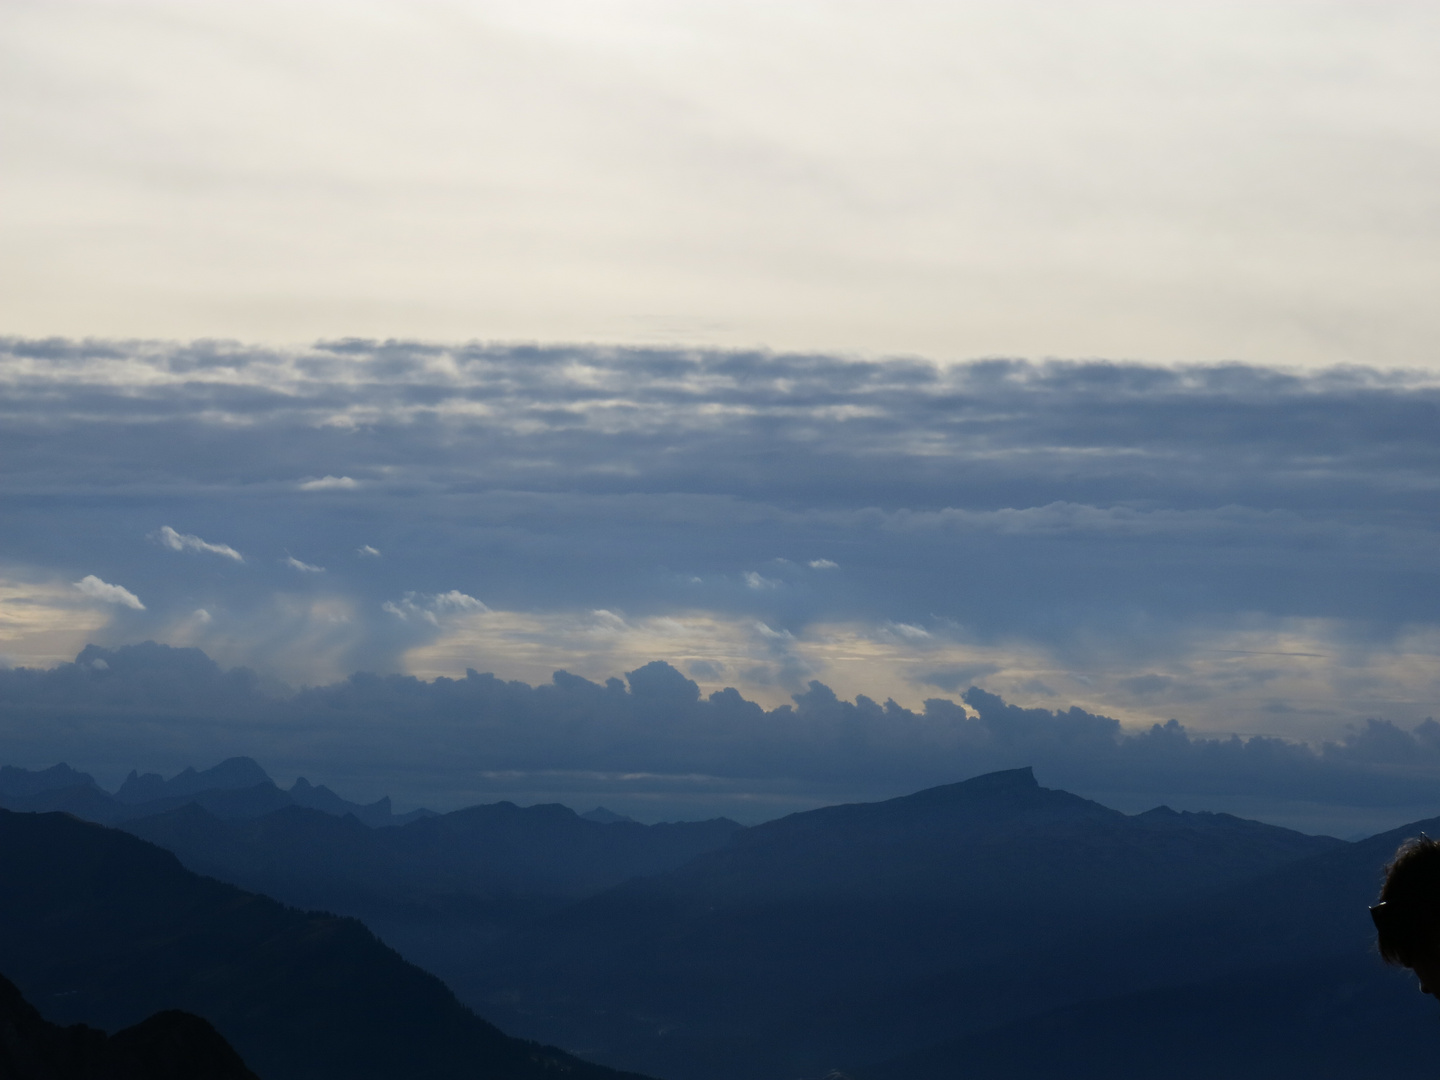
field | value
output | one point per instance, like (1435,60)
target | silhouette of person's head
(1408,914)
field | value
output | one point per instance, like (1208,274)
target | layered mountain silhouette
(438,889)
(104,929)
(851,934)
(236,788)
(170,1045)
(1274,976)
(982,929)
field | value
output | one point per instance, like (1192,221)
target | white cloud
(329,483)
(429,607)
(303,567)
(823,564)
(365,551)
(755,581)
(96,589)
(772,634)
(908,631)
(177,541)
(455,600)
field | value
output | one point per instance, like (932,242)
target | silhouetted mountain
(236,788)
(438,889)
(229,775)
(604,816)
(21,782)
(1327,1020)
(1302,993)
(849,933)
(168,1046)
(104,929)
(84,801)
(378,814)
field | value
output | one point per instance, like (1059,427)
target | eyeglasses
(1382,915)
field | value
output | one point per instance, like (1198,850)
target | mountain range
(987,928)
(236,788)
(851,933)
(104,929)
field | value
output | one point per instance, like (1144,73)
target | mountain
(438,889)
(168,1046)
(604,816)
(854,933)
(104,929)
(18,783)
(1302,992)
(1331,1019)
(236,788)
(229,775)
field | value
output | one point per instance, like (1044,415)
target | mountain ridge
(106,929)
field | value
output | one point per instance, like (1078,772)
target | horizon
(582,744)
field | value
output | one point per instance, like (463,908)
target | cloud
(955,679)
(44,622)
(755,581)
(96,589)
(654,737)
(433,607)
(823,564)
(368,552)
(176,541)
(303,567)
(908,631)
(1252,535)
(329,483)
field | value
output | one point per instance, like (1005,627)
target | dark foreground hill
(854,933)
(104,929)
(168,1046)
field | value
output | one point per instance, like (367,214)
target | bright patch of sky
(1188,181)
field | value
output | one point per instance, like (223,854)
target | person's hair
(1409,922)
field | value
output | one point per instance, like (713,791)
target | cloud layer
(1243,549)
(654,743)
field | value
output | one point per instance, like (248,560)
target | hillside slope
(104,929)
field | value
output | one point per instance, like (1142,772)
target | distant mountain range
(990,928)
(106,929)
(170,1045)
(440,888)
(968,918)
(236,788)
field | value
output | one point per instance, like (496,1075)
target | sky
(1078,353)
(1162,182)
